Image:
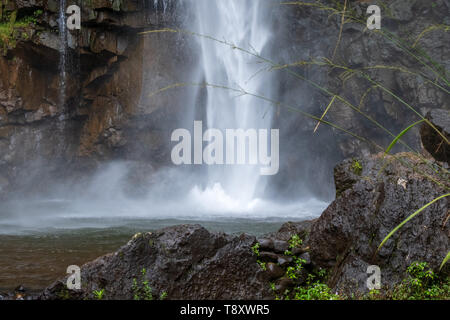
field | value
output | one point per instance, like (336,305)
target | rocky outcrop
(432,141)
(376,194)
(100,111)
(186,262)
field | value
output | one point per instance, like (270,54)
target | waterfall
(245,24)
(163,3)
(62,53)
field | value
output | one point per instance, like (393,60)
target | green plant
(12,29)
(315,288)
(272,286)
(262,264)
(315,291)
(63,294)
(163,295)
(422,284)
(38,13)
(255,249)
(142,290)
(99,294)
(295,241)
(357,167)
(447,257)
(293,272)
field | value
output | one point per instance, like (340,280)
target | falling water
(164,3)
(62,52)
(244,24)
(230,192)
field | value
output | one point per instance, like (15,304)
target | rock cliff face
(310,33)
(103,104)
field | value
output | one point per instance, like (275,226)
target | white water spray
(232,192)
(244,24)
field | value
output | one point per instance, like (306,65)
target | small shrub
(262,264)
(293,272)
(99,294)
(357,167)
(422,284)
(295,241)
(142,290)
(255,249)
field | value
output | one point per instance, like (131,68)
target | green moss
(12,30)
(255,249)
(357,167)
(262,265)
(63,294)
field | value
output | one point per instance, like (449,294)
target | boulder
(371,204)
(432,141)
(186,262)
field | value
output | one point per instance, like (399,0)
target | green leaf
(401,135)
(444,261)
(409,218)
(323,115)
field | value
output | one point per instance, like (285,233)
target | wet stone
(284,261)
(305,256)
(265,244)
(283,284)
(20,288)
(280,246)
(268,256)
(297,251)
(273,271)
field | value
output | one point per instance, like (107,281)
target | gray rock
(282,284)
(186,261)
(265,244)
(273,271)
(305,256)
(346,236)
(280,246)
(431,140)
(268,256)
(283,261)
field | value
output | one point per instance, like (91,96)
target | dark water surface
(35,259)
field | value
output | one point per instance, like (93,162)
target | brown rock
(273,271)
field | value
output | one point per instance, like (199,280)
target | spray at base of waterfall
(102,201)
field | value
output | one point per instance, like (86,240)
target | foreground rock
(368,206)
(433,141)
(186,262)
